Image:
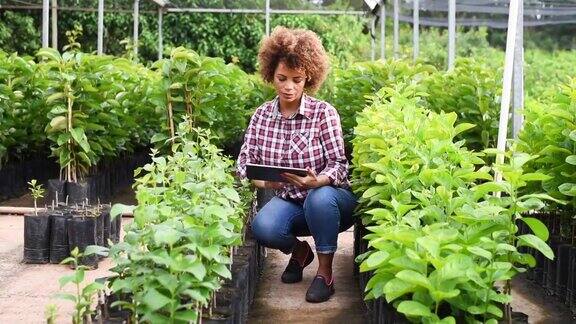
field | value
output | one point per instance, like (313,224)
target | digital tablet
(271,173)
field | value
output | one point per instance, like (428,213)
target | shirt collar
(303,110)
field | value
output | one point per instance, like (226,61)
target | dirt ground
(284,303)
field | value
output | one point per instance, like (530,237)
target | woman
(297,130)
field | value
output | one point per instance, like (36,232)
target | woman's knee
(321,198)
(263,228)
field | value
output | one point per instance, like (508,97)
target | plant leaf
(535,242)
(537,227)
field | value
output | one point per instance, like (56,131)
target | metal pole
(383,30)
(100,45)
(136,24)
(416,29)
(160,33)
(267,17)
(507,85)
(517,115)
(451,34)
(55,24)
(45,18)
(396,27)
(373,39)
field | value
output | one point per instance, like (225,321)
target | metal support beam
(136,24)
(507,84)
(100,44)
(383,30)
(45,18)
(160,33)
(396,28)
(416,30)
(451,34)
(55,24)
(373,38)
(267,17)
(518,105)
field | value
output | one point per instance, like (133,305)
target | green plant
(550,134)
(37,192)
(440,240)
(472,92)
(355,86)
(206,92)
(83,295)
(188,217)
(51,313)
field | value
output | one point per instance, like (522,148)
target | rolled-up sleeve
(249,150)
(333,146)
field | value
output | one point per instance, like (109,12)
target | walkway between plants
(276,302)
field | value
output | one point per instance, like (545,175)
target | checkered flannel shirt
(311,137)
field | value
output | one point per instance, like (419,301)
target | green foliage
(353,87)
(472,92)
(550,134)
(19,32)
(37,192)
(51,313)
(440,240)
(206,91)
(98,107)
(189,215)
(22,107)
(83,297)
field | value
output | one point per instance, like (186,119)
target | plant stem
(170,117)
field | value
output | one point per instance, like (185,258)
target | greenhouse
(297,161)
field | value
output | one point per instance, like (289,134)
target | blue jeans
(326,212)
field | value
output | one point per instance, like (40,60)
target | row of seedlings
(185,258)
(550,134)
(438,238)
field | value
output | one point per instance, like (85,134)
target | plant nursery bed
(531,303)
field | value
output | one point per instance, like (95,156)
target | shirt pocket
(302,140)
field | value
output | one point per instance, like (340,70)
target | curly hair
(299,49)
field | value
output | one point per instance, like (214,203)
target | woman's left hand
(310,181)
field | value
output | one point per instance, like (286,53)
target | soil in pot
(37,238)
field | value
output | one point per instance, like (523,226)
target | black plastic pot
(105,215)
(78,192)
(563,264)
(551,266)
(59,249)
(517,318)
(571,291)
(55,189)
(263,197)
(81,234)
(37,238)
(226,303)
(118,221)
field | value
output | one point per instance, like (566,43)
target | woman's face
(289,83)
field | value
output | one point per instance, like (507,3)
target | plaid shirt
(312,137)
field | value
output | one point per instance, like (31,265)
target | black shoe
(319,291)
(293,271)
